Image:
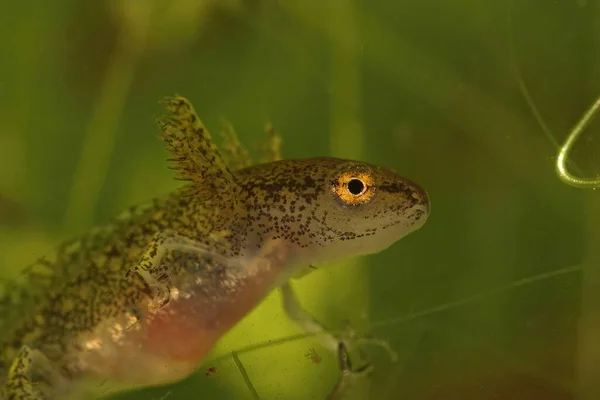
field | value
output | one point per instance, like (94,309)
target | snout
(420,207)
(422,198)
(418,196)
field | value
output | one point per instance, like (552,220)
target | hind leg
(31,377)
(305,321)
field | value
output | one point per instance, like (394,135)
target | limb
(31,376)
(335,343)
(339,345)
(305,321)
(159,274)
(348,374)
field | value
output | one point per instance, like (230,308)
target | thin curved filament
(563,153)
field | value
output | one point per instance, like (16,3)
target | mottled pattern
(296,200)
(227,237)
(195,157)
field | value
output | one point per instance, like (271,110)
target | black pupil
(355,186)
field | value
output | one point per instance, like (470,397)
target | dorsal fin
(195,157)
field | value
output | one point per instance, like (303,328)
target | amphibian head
(328,208)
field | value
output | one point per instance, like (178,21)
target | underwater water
(496,297)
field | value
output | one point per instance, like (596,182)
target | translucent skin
(251,229)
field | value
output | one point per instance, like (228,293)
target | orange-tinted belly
(187,328)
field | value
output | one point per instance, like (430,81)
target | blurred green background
(430,88)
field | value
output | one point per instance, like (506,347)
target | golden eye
(354,187)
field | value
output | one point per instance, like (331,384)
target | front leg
(305,321)
(349,376)
(335,344)
(338,344)
(159,273)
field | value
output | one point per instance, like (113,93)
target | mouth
(423,200)
(420,196)
(420,215)
(420,210)
(413,218)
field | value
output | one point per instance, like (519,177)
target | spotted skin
(141,300)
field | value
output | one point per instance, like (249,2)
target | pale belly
(168,344)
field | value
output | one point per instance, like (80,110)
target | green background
(430,88)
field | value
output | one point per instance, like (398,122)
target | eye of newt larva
(354,188)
